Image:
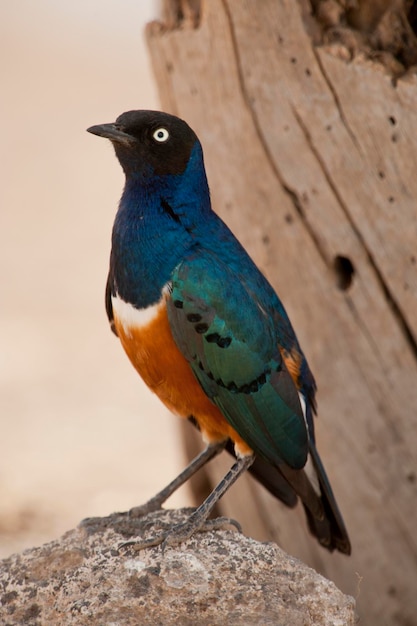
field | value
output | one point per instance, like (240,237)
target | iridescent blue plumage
(225,318)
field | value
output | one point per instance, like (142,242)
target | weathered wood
(311,157)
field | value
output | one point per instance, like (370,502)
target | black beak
(110,131)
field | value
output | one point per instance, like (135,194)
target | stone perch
(218,577)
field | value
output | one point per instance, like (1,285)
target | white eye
(161,135)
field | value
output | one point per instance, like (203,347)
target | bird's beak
(110,131)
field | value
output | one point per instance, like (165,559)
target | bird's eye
(161,135)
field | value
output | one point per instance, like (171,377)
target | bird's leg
(197,522)
(155,503)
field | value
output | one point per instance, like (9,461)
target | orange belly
(154,354)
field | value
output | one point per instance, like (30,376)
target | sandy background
(79,433)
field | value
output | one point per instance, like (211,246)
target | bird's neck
(158,221)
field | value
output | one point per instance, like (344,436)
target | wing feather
(231,343)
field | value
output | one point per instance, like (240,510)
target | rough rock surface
(218,577)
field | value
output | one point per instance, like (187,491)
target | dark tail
(330,531)
(313,488)
(324,519)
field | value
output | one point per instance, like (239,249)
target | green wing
(227,334)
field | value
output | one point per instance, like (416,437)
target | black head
(149,142)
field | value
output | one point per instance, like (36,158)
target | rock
(217,577)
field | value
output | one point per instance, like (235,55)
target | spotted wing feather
(231,344)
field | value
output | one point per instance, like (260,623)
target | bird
(207,332)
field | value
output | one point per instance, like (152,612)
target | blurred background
(78,429)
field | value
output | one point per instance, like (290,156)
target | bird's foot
(183,531)
(154,504)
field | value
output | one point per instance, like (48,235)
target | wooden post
(311,154)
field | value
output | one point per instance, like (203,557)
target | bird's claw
(150,506)
(181,532)
(220,523)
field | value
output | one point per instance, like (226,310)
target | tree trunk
(310,147)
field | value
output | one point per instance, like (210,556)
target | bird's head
(151,143)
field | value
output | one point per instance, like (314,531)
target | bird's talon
(143,509)
(179,533)
(139,544)
(221,523)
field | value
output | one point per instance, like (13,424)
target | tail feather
(324,519)
(273,481)
(331,532)
(303,487)
(312,486)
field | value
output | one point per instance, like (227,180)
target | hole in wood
(411,477)
(344,270)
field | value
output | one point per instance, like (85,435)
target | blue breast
(153,229)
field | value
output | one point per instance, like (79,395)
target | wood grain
(310,157)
